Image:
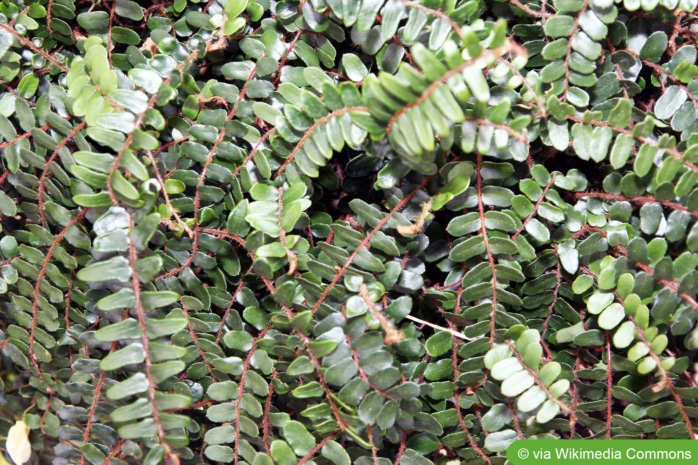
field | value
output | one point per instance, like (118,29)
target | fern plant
(376,231)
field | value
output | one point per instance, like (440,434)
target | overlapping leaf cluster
(346,231)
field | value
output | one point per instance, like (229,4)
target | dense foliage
(345,231)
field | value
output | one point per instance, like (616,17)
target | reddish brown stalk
(47,168)
(137,125)
(365,243)
(114,452)
(437,13)
(401,450)
(490,255)
(93,408)
(195,338)
(26,135)
(461,420)
(37,289)
(374,449)
(257,146)
(200,182)
(266,425)
(676,30)
(669,76)
(563,407)
(145,340)
(241,389)
(535,208)
(317,448)
(224,317)
(636,200)
(645,140)
(575,30)
(530,11)
(471,440)
(505,127)
(31,46)
(310,132)
(515,417)
(574,395)
(497,52)
(673,285)
(665,379)
(219,139)
(282,61)
(539,102)
(223,234)
(363,374)
(316,363)
(551,307)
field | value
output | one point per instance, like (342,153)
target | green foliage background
(343,231)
